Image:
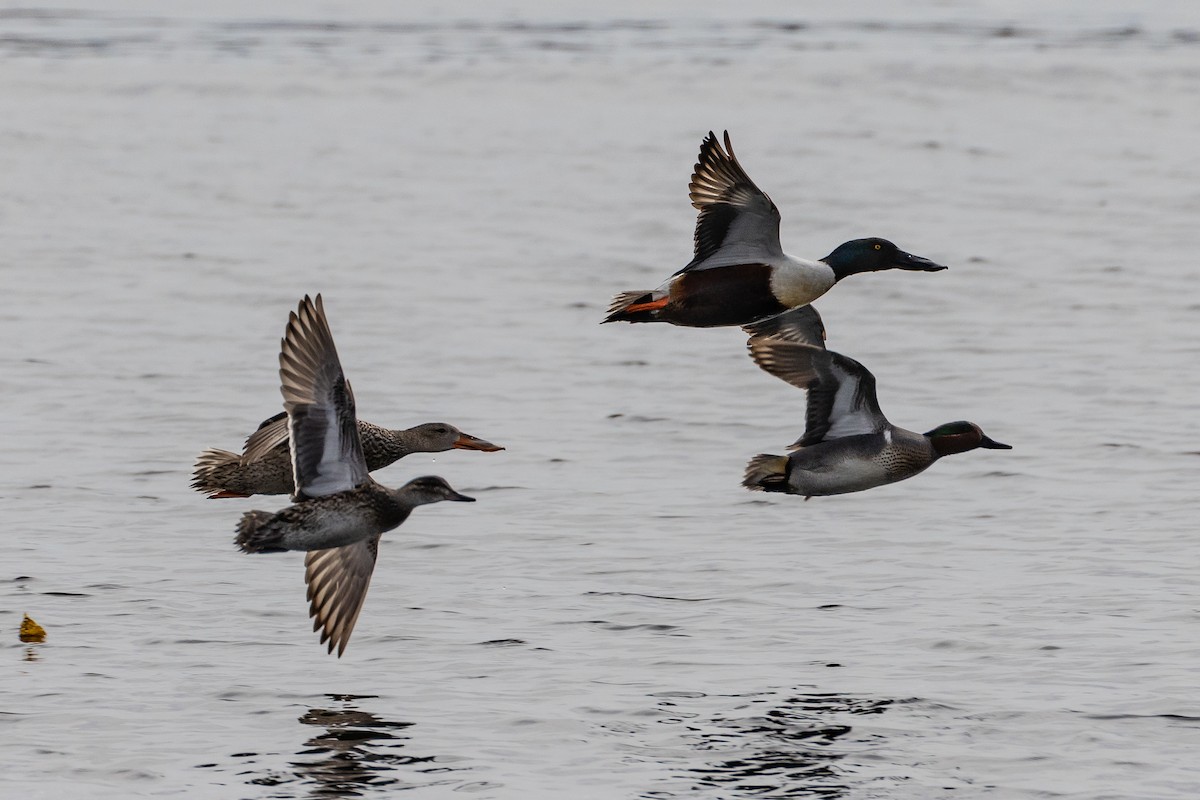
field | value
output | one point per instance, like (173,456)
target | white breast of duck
(798,281)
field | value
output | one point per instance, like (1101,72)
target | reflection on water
(357,753)
(787,748)
(356,750)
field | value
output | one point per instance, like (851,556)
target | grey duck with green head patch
(848,444)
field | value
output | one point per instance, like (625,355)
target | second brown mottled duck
(340,512)
(265,465)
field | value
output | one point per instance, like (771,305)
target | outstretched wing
(841,392)
(272,434)
(802,325)
(327,454)
(338,579)
(736,218)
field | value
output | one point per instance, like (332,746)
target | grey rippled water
(616,617)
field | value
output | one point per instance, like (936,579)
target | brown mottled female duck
(341,512)
(265,465)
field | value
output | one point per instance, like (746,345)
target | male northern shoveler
(848,444)
(341,512)
(265,465)
(740,273)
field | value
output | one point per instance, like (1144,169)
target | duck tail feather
(631,307)
(766,473)
(255,534)
(213,470)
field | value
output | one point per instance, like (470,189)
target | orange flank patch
(653,305)
(224,493)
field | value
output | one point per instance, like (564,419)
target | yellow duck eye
(877,247)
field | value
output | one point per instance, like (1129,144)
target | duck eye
(878,247)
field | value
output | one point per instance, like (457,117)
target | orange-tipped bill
(466,441)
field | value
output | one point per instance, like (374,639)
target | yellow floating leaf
(31,631)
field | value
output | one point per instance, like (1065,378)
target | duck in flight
(740,273)
(265,465)
(848,444)
(340,512)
